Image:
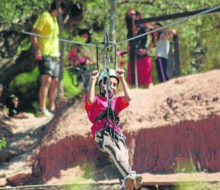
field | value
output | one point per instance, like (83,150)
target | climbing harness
(104,77)
(112,115)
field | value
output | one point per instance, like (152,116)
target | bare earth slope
(167,126)
(172,127)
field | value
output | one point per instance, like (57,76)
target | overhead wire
(129,39)
(99,45)
(61,39)
(168,25)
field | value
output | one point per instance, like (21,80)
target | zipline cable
(127,40)
(168,25)
(130,39)
(63,40)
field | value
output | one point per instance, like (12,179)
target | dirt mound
(172,127)
(22,136)
(167,127)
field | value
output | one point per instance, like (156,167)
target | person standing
(81,59)
(162,51)
(143,62)
(47,53)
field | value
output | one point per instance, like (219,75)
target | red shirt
(74,56)
(101,104)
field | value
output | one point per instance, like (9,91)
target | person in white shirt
(162,38)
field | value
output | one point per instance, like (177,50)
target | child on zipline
(103,111)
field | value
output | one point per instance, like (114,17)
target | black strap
(112,116)
(108,114)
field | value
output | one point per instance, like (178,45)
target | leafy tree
(199,37)
(3,143)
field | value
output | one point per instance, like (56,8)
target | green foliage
(10,11)
(24,45)
(189,166)
(3,143)
(199,38)
(193,33)
(26,86)
(197,185)
(200,30)
(26,78)
(69,88)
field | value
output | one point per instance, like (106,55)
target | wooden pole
(62,47)
(112,31)
(176,56)
(112,22)
(132,55)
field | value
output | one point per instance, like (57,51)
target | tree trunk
(16,65)
(112,22)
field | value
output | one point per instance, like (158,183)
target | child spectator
(81,61)
(78,55)
(13,110)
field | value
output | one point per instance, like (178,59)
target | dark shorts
(49,66)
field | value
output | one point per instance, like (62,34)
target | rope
(46,36)
(63,40)
(168,25)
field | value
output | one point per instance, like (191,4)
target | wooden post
(132,55)
(112,32)
(62,46)
(175,38)
(176,56)
(112,22)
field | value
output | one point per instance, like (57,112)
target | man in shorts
(46,46)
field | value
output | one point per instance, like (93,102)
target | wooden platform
(150,181)
(167,179)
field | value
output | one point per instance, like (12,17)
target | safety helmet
(104,74)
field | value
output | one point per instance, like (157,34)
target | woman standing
(143,62)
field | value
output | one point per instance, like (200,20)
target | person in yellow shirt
(46,46)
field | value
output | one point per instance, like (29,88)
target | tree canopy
(199,37)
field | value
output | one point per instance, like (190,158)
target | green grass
(26,86)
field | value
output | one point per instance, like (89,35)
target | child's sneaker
(128,183)
(44,113)
(138,181)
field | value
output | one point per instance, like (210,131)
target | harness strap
(112,115)
(108,114)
